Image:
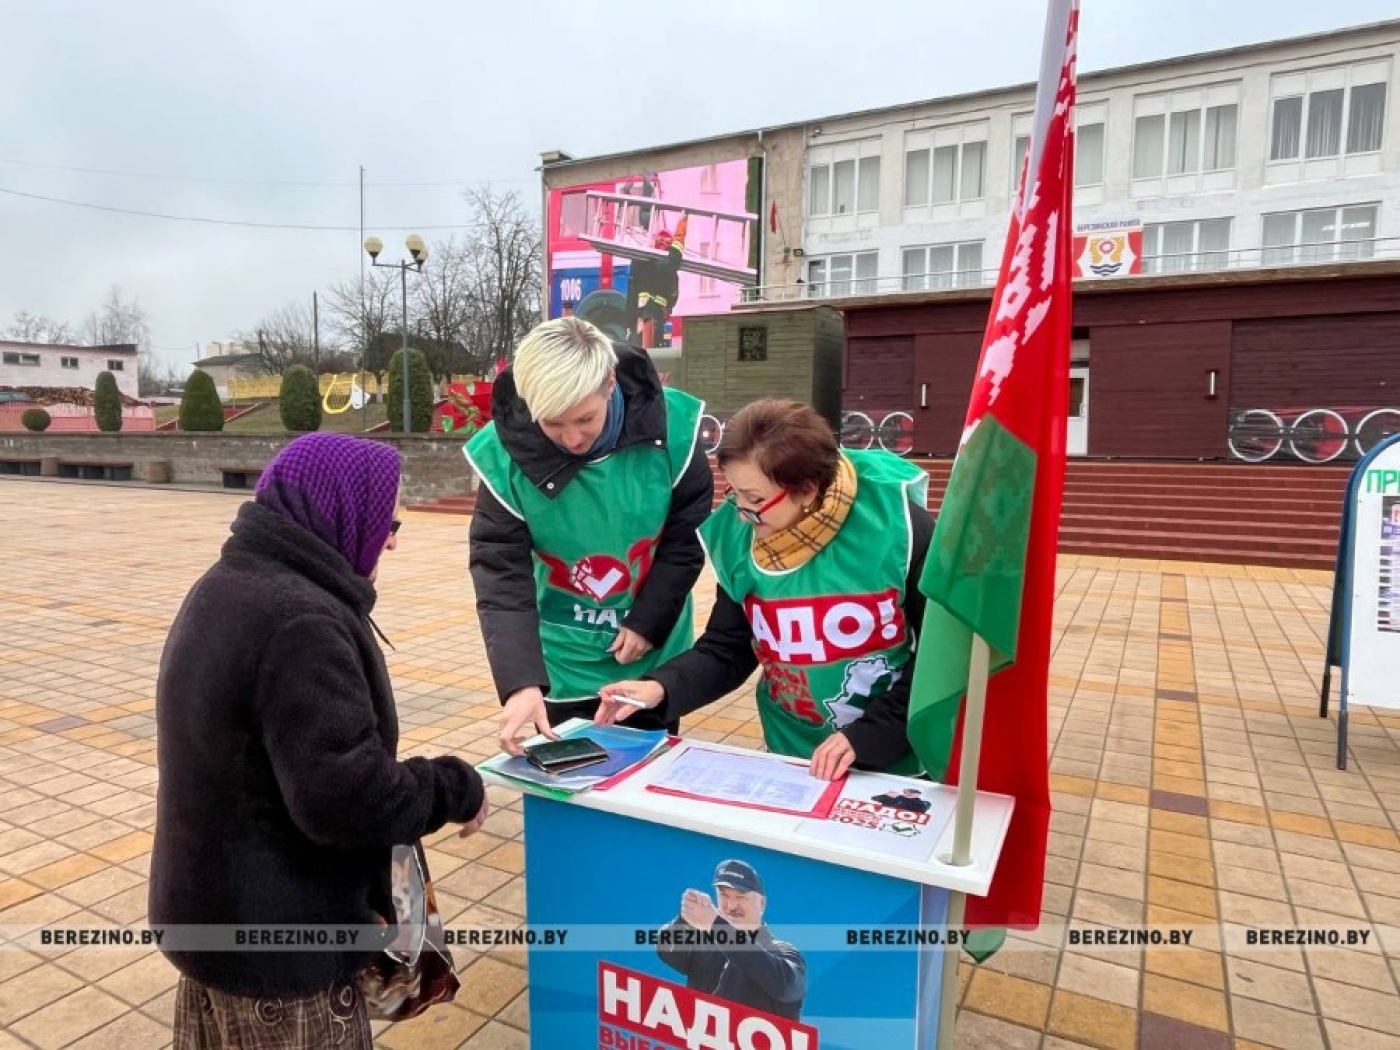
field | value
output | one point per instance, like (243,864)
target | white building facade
(1273,154)
(58,365)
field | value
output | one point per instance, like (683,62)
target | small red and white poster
(1103,250)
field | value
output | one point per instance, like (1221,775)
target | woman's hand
(622,699)
(834,758)
(524,707)
(629,646)
(472,826)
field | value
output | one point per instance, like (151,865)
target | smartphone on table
(565,756)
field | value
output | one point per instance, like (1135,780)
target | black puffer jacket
(280,796)
(502,566)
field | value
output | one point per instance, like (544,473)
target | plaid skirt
(206,1019)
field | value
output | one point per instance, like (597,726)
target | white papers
(742,780)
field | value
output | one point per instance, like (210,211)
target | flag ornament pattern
(991,566)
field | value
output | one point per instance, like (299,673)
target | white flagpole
(977,673)
(1052,57)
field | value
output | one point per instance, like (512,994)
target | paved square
(1194,783)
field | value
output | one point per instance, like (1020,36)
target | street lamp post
(419,251)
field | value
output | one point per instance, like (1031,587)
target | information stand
(815,932)
(1363,638)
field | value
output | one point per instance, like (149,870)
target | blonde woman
(583,544)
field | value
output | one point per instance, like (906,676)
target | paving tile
(1008,998)
(1275,1026)
(33,988)
(496,1036)
(1359,1006)
(1093,1021)
(1191,965)
(1158,1032)
(125,1033)
(1250,979)
(69,1019)
(440,1028)
(142,981)
(1185,1001)
(1099,979)
(1349,1037)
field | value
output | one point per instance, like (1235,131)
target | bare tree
(505,250)
(446,311)
(117,320)
(283,338)
(360,322)
(36,328)
(122,320)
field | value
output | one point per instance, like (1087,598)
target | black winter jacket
(766,974)
(500,558)
(280,796)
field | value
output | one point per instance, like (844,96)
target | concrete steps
(1286,515)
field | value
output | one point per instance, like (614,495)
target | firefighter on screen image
(813,536)
(654,285)
(740,959)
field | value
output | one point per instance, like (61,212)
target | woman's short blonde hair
(559,364)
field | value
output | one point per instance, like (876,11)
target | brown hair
(787,440)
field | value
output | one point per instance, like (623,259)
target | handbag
(415,970)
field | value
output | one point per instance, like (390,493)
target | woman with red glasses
(818,554)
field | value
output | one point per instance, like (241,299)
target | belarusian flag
(991,567)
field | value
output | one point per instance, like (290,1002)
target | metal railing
(892,431)
(1311,435)
(1313,253)
(74,418)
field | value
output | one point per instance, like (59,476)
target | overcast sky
(447,91)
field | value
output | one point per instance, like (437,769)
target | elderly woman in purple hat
(280,795)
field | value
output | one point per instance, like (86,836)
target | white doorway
(1077,438)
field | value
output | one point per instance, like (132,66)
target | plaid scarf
(799,543)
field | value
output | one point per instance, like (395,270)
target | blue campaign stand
(611,867)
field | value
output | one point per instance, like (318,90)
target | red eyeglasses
(753,516)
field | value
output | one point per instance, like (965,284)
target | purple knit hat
(340,489)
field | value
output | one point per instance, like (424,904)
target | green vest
(593,545)
(830,635)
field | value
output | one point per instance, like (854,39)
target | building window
(68,362)
(1183,141)
(753,344)
(12,358)
(1320,235)
(1180,247)
(941,266)
(1318,114)
(116,366)
(1088,155)
(945,165)
(845,186)
(573,215)
(945,174)
(843,274)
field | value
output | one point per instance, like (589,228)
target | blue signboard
(689,938)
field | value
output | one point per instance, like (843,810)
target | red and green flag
(990,569)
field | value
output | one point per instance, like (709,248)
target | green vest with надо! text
(830,635)
(593,545)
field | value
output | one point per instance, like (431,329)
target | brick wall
(804,348)
(432,467)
